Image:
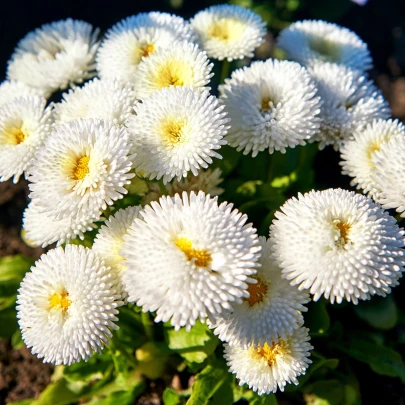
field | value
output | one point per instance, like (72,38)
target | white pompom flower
(11,89)
(109,240)
(357,153)
(66,305)
(104,99)
(189,258)
(25,122)
(350,102)
(228,31)
(387,174)
(272,105)
(312,41)
(338,244)
(272,310)
(272,365)
(55,56)
(183,64)
(83,165)
(43,229)
(138,37)
(177,130)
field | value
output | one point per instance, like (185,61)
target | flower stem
(147,325)
(225,70)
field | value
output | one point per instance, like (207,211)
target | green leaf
(330,392)
(8,322)
(12,271)
(172,397)
(230,159)
(22,402)
(208,382)
(56,393)
(381,359)
(116,397)
(194,346)
(317,318)
(263,399)
(379,312)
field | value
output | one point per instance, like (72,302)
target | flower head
(138,37)
(104,99)
(11,89)
(350,102)
(312,41)
(55,56)
(175,131)
(338,244)
(272,105)
(83,165)
(67,305)
(183,64)
(228,31)
(24,125)
(271,365)
(189,258)
(358,152)
(272,310)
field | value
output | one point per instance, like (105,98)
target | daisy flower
(108,241)
(206,181)
(24,125)
(271,365)
(189,258)
(350,102)
(338,244)
(387,173)
(272,310)
(138,37)
(55,56)
(43,229)
(272,105)
(83,165)
(11,89)
(104,99)
(175,131)
(228,31)
(66,305)
(357,153)
(312,41)
(183,64)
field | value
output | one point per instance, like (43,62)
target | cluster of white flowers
(149,120)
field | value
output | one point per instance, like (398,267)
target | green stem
(147,325)
(225,70)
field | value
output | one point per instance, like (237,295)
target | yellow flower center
(61,301)
(270,353)
(327,49)
(147,50)
(201,257)
(174,131)
(226,29)
(257,292)
(344,229)
(265,105)
(174,73)
(81,168)
(15,135)
(374,147)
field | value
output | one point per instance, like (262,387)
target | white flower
(188,258)
(24,125)
(66,305)
(206,181)
(338,244)
(11,89)
(272,105)
(137,37)
(350,102)
(312,41)
(271,365)
(43,229)
(83,165)
(175,131)
(272,310)
(108,241)
(228,31)
(55,56)
(103,99)
(387,174)
(357,153)
(183,64)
